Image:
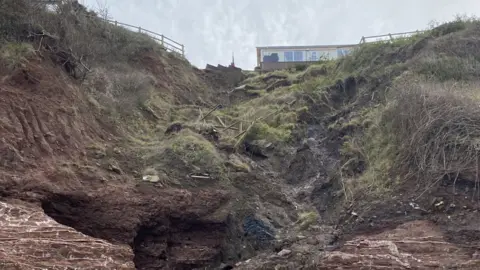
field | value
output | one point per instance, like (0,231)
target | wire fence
(169,44)
(388,37)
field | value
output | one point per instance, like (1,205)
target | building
(281,57)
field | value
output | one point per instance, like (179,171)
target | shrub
(301,67)
(425,132)
(438,130)
(460,23)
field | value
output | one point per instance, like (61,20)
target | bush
(12,16)
(301,67)
(76,37)
(437,130)
(459,24)
(426,132)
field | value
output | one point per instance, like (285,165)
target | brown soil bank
(53,156)
(79,127)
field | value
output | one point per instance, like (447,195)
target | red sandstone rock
(32,240)
(413,245)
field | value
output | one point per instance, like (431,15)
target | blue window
(298,56)
(314,56)
(342,52)
(288,56)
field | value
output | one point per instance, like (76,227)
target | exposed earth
(115,154)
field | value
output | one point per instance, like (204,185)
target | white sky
(212,29)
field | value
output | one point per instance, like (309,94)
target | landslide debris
(360,163)
(84,110)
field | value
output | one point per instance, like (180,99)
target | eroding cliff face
(32,240)
(412,245)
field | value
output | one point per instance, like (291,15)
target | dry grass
(76,37)
(426,131)
(438,127)
(426,124)
(14,55)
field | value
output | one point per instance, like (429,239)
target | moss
(263,131)
(238,165)
(307,219)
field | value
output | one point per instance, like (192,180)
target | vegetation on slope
(400,113)
(414,115)
(424,126)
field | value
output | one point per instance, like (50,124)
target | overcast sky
(212,29)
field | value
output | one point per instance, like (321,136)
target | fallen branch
(220,121)
(210,112)
(200,177)
(230,127)
(243,134)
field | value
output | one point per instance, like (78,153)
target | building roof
(307,47)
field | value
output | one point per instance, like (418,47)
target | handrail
(169,44)
(391,36)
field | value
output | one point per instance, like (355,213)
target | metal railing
(169,44)
(388,37)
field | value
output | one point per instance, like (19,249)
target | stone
(151,178)
(32,240)
(114,168)
(284,252)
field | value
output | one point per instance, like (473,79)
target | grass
(196,152)
(445,68)
(16,54)
(426,131)
(374,150)
(276,113)
(425,128)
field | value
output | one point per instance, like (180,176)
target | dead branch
(210,112)
(220,121)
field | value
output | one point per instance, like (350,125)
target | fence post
(140,29)
(116,23)
(183,50)
(162,39)
(391,37)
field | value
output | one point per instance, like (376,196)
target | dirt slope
(94,154)
(48,129)
(313,168)
(388,157)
